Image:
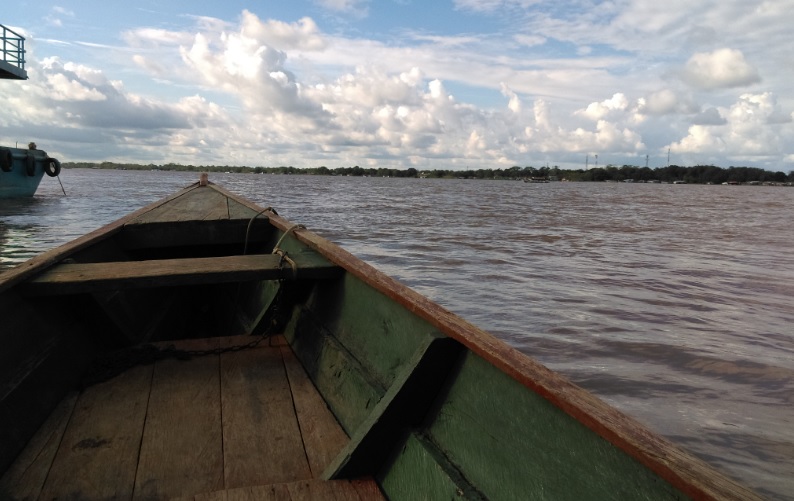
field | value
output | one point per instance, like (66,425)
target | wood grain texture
(506,440)
(322,435)
(309,490)
(25,479)
(261,438)
(199,204)
(181,449)
(75,278)
(417,474)
(99,451)
(343,382)
(403,407)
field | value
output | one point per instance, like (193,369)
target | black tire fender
(30,165)
(52,167)
(6,160)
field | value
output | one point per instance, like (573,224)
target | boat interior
(205,348)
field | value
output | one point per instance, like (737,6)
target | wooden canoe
(205,348)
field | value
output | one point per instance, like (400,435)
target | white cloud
(743,131)
(597,111)
(722,68)
(667,102)
(303,34)
(239,89)
(515,102)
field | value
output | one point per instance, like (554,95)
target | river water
(674,303)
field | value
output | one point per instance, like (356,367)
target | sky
(456,84)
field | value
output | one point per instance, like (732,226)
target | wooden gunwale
(690,475)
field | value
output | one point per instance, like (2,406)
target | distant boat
(536,180)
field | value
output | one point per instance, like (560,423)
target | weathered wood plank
(312,490)
(245,212)
(376,330)
(416,473)
(323,437)
(308,490)
(99,451)
(261,438)
(181,449)
(73,278)
(367,489)
(344,383)
(25,479)
(275,492)
(199,204)
(403,408)
(504,440)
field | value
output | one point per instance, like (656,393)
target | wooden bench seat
(70,278)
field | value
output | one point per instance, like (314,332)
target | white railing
(12,47)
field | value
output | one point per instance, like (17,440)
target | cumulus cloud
(72,95)
(303,34)
(743,129)
(514,104)
(292,94)
(666,102)
(723,68)
(599,110)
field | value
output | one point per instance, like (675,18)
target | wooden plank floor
(239,425)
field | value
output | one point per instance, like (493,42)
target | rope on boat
(59,182)
(251,221)
(283,254)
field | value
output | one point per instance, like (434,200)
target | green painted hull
(432,406)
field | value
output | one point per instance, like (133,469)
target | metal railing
(12,47)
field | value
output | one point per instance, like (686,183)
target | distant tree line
(316,171)
(699,174)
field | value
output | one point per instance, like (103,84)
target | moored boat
(21,170)
(204,347)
